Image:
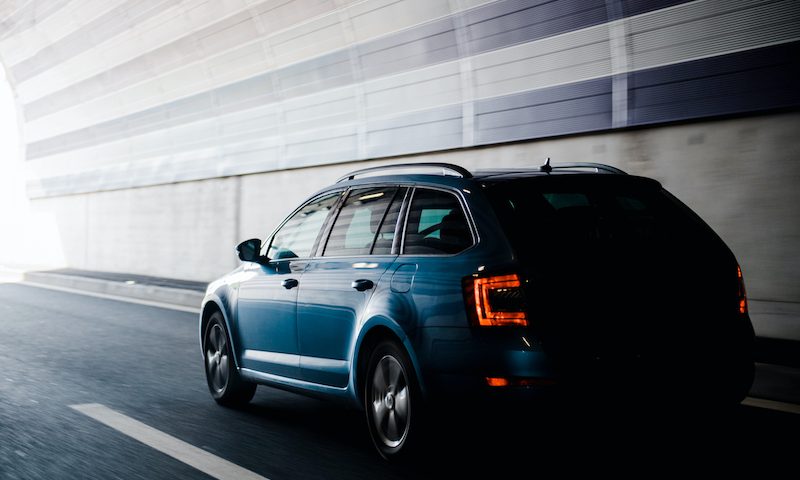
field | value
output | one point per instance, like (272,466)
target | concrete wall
(185,230)
(740,175)
(159,133)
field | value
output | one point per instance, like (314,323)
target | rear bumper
(458,362)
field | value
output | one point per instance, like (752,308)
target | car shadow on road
(466,439)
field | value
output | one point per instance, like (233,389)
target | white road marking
(118,298)
(202,460)
(772,405)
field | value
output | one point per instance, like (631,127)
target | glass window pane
(595,214)
(436,224)
(297,236)
(385,238)
(566,200)
(354,230)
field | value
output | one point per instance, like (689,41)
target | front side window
(436,224)
(359,220)
(297,236)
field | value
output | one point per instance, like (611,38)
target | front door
(267,304)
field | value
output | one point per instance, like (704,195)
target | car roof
(463,179)
(512,174)
(456,176)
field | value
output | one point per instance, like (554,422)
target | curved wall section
(159,133)
(119,94)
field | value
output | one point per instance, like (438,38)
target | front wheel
(224,382)
(392,401)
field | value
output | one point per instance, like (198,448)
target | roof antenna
(546,168)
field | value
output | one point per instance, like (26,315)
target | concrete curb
(151,293)
(776,320)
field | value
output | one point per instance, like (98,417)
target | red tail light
(495,301)
(519,382)
(742,294)
(497,382)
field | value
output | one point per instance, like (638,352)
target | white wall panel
(128,44)
(731,28)
(64,21)
(308,40)
(372,19)
(416,90)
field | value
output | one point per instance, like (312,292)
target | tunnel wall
(158,133)
(740,175)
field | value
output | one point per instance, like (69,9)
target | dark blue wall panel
(500,24)
(753,80)
(635,7)
(577,107)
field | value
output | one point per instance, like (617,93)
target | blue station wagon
(400,285)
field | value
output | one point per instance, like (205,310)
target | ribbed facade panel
(124,94)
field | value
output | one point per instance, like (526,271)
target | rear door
(435,256)
(337,285)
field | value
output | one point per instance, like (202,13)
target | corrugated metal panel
(518,21)
(708,28)
(636,7)
(27,15)
(415,132)
(113,22)
(572,108)
(272,84)
(416,90)
(741,82)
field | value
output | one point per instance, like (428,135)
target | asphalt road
(59,349)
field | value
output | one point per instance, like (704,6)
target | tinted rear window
(590,213)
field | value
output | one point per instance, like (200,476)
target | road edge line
(771,405)
(165,443)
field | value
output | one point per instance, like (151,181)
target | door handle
(289,283)
(362,285)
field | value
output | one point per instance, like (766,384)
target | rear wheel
(224,382)
(392,401)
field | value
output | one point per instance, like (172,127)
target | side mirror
(249,250)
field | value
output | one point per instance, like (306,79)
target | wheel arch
(377,331)
(210,306)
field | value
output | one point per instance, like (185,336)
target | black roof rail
(598,167)
(547,168)
(461,171)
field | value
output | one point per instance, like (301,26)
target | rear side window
(436,224)
(359,220)
(385,237)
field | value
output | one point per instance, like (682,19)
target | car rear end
(613,287)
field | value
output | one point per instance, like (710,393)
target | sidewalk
(182,294)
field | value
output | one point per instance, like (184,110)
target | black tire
(392,402)
(223,379)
